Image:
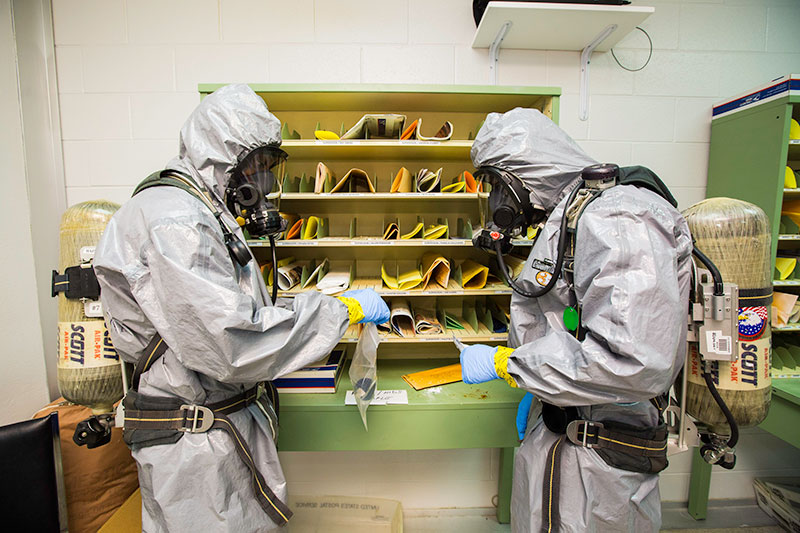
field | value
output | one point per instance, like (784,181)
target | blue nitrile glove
(523,411)
(372,305)
(477,364)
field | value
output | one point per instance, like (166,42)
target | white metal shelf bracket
(494,51)
(586,55)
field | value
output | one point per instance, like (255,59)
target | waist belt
(620,445)
(150,421)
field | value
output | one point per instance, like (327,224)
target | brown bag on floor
(97,481)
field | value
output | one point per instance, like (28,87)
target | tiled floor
(723,517)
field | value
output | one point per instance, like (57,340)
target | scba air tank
(735,235)
(89,371)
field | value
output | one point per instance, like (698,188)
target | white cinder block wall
(128,74)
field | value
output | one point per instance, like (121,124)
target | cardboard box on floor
(780,499)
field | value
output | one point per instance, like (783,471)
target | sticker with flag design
(752,322)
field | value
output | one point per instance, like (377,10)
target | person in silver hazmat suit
(631,281)
(165,269)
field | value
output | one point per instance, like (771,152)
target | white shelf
(786,283)
(376,284)
(342,242)
(545,26)
(453,150)
(414,196)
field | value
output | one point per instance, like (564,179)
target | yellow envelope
(789,180)
(392,231)
(360,179)
(435,267)
(325,135)
(266,270)
(473,275)
(323,174)
(407,280)
(416,233)
(457,186)
(435,231)
(311,228)
(402,181)
(785,266)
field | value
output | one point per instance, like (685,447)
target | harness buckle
(199,424)
(576,426)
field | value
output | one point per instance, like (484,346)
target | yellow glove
(354,311)
(501,364)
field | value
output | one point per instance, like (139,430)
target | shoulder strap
(171,178)
(644,177)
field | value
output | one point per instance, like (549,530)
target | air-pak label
(749,373)
(85,344)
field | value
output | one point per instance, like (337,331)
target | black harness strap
(552,481)
(152,353)
(202,418)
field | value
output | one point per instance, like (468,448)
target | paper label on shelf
(84,345)
(301,243)
(336,142)
(750,372)
(371,243)
(382,397)
(415,142)
(718,343)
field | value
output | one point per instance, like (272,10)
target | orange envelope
(472,185)
(294,231)
(408,133)
(434,377)
(402,181)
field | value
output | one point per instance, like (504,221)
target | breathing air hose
(718,291)
(274,269)
(562,248)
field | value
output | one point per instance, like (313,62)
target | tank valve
(94,431)
(717,452)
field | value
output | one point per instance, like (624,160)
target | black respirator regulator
(511,208)
(250,195)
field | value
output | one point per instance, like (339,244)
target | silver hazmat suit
(632,275)
(163,266)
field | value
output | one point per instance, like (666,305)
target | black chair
(31,480)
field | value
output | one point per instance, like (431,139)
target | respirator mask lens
(249,192)
(262,168)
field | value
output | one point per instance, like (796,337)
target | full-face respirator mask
(249,193)
(511,208)
(513,212)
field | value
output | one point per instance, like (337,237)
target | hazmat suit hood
(226,126)
(531,146)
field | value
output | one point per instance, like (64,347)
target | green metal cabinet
(750,150)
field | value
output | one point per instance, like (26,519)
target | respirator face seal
(250,190)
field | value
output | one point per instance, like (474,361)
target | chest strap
(162,422)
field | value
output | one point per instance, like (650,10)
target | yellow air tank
(735,235)
(89,371)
